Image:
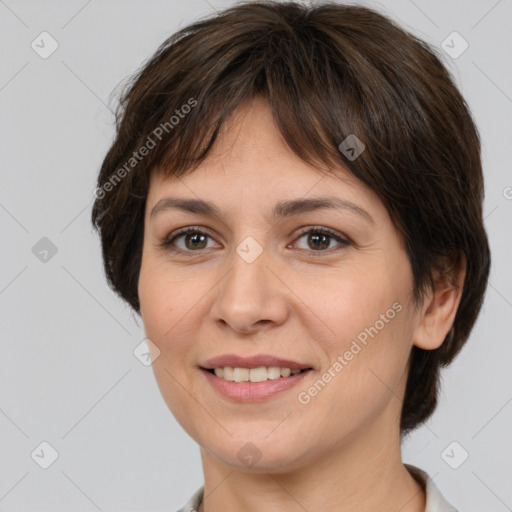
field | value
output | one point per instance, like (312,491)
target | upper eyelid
(186,230)
(329,231)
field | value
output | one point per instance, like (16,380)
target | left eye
(320,239)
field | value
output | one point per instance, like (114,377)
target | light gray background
(68,375)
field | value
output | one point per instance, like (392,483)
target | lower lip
(253,391)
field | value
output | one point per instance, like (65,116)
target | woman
(293,204)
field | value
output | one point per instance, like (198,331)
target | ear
(440,305)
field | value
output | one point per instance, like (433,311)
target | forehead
(250,164)
(250,141)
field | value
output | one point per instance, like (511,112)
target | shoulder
(193,503)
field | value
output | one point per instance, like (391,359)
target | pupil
(195,237)
(321,236)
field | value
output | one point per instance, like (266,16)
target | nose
(250,296)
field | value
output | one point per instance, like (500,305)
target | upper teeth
(253,374)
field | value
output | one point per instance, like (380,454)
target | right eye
(194,240)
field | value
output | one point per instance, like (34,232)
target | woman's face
(248,283)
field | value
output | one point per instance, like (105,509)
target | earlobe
(440,305)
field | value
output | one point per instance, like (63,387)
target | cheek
(371,336)
(349,301)
(166,306)
(164,303)
(364,373)
(156,309)
(368,340)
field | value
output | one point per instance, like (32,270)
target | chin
(259,453)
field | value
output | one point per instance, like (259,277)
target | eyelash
(344,242)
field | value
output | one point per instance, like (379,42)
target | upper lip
(233,361)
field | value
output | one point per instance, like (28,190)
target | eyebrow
(281,210)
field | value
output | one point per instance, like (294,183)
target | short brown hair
(327,71)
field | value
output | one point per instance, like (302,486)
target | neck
(364,474)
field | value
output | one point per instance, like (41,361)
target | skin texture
(302,299)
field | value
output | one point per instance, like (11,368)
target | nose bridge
(249,292)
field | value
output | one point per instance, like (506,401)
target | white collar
(435,500)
